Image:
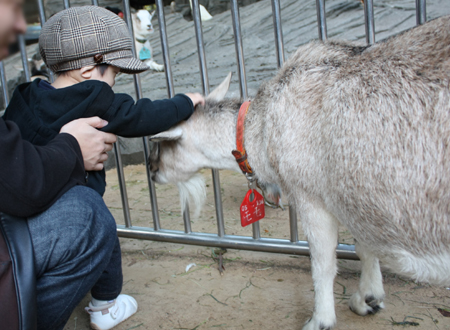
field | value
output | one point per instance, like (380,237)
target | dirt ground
(257,290)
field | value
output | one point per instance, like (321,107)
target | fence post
(242,76)
(321,21)
(369,22)
(278,32)
(4,83)
(169,81)
(421,12)
(205,83)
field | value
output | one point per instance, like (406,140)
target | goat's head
(142,23)
(205,140)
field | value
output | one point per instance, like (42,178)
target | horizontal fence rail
(221,239)
(344,251)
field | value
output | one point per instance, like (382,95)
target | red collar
(240,154)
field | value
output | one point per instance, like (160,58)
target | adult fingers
(109,138)
(96,122)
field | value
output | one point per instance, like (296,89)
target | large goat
(352,134)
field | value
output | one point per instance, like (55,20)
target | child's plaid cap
(88,35)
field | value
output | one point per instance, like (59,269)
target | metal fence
(256,242)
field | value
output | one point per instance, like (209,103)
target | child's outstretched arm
(146,117)
(196,98)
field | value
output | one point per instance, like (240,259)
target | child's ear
(86,71)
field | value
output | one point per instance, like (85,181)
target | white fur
(432,268)
(193,192)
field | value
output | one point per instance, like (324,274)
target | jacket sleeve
(31,177)
(146,117)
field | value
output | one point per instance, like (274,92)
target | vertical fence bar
(95,2)
(165,47)
(369,22)
(41,12)
(239,48)
(24,56)
(151,185)
(205,83)
(278,32)
(169,81)
(43,20)
(293,223)
(242,76)
(218,203)
(119,166)
(66,4)
(321,21)
(146,143)
(200,46)
(421,12)
(122,186)
(4,83)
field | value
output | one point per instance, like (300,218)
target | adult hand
(94,144)
(196,98)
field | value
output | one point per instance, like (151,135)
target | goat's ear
(218,94)
(174,133)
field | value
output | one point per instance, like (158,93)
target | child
(86,47)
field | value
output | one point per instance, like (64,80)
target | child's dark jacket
(40,113)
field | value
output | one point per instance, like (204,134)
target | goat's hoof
(368,305)
(158,67)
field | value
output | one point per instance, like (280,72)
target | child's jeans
(76,249)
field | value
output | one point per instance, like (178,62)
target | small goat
(352,134)
(143,28)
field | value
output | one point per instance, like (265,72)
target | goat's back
(364,133)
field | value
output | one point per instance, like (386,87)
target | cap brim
(129,65)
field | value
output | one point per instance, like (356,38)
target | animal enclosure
(152,216)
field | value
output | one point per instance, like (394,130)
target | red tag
(252,211)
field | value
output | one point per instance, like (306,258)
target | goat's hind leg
(370,295)
(321,228)
(154,66)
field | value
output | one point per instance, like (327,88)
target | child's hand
(196,98)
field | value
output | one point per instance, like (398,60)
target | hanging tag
(145,54)
(252,211)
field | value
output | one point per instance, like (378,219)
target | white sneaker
(108,316)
